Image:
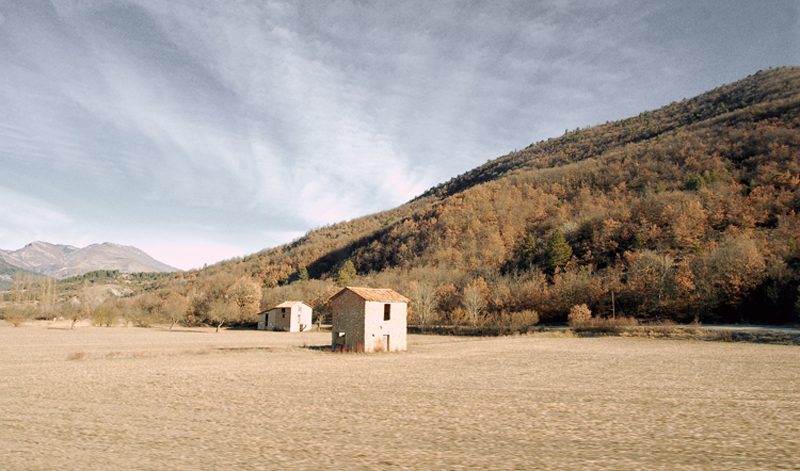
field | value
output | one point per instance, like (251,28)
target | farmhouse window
(387,312)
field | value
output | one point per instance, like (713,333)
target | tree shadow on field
(318,348)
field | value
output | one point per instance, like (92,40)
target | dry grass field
(149,399)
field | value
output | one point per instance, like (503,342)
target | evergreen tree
(346,274)
(302,275)
(529,249)
(558,251)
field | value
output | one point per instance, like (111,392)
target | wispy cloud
(26,219)
(270,117)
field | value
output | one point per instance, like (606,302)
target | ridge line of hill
(684,184)
(688,213)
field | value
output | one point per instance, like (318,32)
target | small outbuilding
(291,316)
(369,320)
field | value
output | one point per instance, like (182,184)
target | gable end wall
(375,327)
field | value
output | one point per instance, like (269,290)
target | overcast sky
(202,130)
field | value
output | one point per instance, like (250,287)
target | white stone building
(291,316)
(370,320)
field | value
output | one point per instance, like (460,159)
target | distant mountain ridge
(64,261)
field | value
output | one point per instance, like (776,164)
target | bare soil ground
(148,399)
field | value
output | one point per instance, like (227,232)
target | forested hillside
(687,213)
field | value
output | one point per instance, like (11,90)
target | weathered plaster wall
(375,327)
(300,318)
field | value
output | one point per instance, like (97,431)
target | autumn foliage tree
(175,308)
(579,315)
(688,212)
(245,294)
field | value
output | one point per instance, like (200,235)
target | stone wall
(348,318)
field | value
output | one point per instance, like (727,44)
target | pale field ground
(151,399)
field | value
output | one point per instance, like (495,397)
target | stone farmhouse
(292,316)
(369,320)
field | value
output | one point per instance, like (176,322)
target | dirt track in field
(150,399)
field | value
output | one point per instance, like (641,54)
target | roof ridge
(374,294)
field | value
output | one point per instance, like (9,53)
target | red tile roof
(287,304)
(375,295)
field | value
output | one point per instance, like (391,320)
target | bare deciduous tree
(650,277)
(221,311)
(423,300)
(47,301)
(474,301)
(175,308)
(15,314)
(18,288)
